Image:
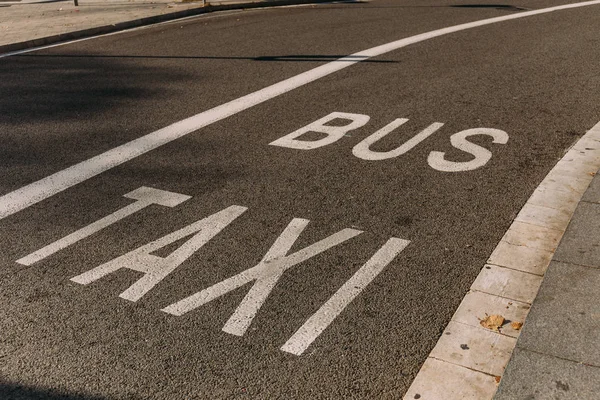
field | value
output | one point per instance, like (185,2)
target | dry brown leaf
(497,378)
(516,325)
(492,322)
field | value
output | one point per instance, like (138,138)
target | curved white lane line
(37,191)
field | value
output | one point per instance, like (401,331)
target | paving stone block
(475,348)
(508,283)
(581,242)
(534,376)
(564,320)
(521,258)
(593,193)
(477,305)
(441,380)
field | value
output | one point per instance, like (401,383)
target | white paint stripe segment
(145,197)
(30,194)
(329,311)
(506,286)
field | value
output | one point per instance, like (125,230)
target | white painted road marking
(156,268)
(334,133)
(329,311)
(145,197)
(37,191)
(363,151)
(266,274)
(241,319)
(437,159)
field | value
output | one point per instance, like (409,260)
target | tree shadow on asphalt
(41,88)
(55,112)
(59,87)
(9,391)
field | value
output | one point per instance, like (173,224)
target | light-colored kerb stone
(534,236)
(505,282)
(477,305)
(439,380)
(475,348)
(521,258)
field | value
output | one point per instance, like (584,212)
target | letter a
(156,268)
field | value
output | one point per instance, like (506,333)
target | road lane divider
(469,358)
(49,186)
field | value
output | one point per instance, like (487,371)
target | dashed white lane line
(37,191)
(469,359)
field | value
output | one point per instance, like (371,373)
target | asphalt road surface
(265,264)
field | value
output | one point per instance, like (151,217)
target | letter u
(362,150)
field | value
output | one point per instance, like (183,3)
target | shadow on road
(50,87)
(286,58)
(56,111)
(45,88)
(339,5)
(10,391)
(506,7)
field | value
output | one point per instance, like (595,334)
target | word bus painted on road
(264,275)
(436,159)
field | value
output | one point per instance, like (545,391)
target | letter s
(459,140)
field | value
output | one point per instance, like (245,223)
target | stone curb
(27,2)
(120,26)
(468,360)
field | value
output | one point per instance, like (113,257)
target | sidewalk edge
(121,26)
(469,359)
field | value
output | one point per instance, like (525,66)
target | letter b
(334,133)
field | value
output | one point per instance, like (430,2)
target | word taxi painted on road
(264,275)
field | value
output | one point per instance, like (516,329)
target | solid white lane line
(44,188)
(468,359)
